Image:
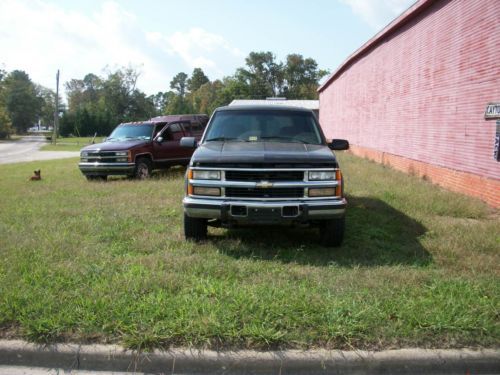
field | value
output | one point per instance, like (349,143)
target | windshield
(125,132)
(265,125)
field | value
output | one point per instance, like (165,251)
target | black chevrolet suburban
(264,165)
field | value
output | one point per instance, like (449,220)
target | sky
(163,37)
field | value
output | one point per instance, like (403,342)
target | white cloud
(194,46)
(378,13)
(40,38)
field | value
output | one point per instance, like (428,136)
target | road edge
(116,358)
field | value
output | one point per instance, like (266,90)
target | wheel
(332,232)
(142,169)
(194,228)
(96,178)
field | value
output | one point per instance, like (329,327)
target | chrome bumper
(106,168)
(262,212)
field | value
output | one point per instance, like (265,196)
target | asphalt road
(28,149)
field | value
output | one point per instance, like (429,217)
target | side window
(174,132)
(196,126)
(187,127)
(158,129)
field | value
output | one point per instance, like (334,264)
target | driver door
(169,150)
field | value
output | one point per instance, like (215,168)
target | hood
(114,146)
(262,152)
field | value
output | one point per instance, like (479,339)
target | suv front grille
(238,192)
(256,176)
(102,157)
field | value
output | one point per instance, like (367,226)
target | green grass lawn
(70,143)
(106,262)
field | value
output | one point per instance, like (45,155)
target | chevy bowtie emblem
(264,184)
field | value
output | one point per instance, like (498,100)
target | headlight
(322,192)
(321,175)
(84,154)
(200,190)
(206,175)
(121,153)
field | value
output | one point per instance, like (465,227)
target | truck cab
(264,165)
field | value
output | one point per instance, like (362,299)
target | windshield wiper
(226,139)
(290,139)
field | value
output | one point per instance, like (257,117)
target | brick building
(416,96)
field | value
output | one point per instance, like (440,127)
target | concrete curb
(115,358)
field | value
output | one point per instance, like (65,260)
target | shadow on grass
(376,235)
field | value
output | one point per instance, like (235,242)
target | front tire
(195,229)
(332,232)
(142,169)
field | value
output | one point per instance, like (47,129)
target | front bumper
(262,212)
(96,168)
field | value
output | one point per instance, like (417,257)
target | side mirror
(159,139)
(189,142)
(338,144)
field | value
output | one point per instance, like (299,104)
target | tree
(117,90)
(47,99)
(236,87)
(263,74)
(98,104)
(177,105)
(5,125)
(140,106)
(301,77)
(21,100)
(198,78)
(75,89)
(207,97)
(179,83)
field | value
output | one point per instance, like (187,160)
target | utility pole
(56,112)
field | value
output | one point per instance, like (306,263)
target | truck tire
(142,169)
(96,178)
(194,228)
(332,232)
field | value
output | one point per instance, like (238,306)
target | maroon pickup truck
(135,149)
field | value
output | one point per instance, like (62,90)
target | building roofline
(413,11)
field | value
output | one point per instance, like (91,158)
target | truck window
(256,126)
(174,132)
(158,129)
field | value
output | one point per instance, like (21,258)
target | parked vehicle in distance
(135,149)
(264,165)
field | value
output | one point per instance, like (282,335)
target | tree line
(96,104)
(23,103)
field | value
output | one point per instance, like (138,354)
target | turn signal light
(201,190)
(322,192)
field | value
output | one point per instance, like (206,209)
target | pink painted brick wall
(421,93)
